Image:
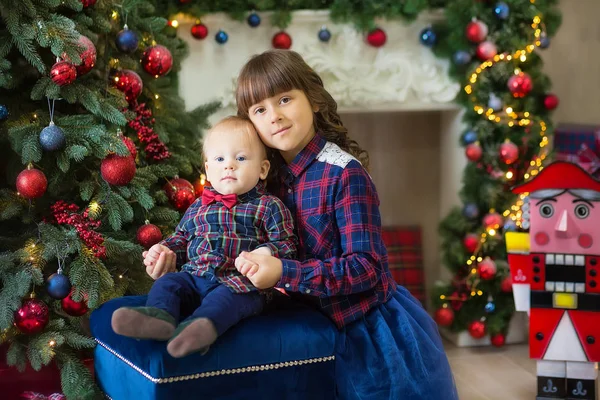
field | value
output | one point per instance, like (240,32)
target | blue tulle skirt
(394,353)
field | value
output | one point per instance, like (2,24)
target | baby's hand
(248,268)
(152,259)
(245,267)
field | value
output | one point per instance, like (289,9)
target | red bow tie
(228,200)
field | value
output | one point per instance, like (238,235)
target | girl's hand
(268,273)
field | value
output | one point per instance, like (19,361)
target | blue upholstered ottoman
(282,354)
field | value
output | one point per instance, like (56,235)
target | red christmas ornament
(63,73)
(281,40)
(506,284)
(473,151)
(444,316)
(32,316)
(377,37)
(88,56)
(471,241)
(182,199)
(199,31)
(32,183)
(550,101)
(130,83)
(118,170)
(74,308)
(88,3)
(477,329)
(180,193)
(520,84)
(509,152)
(148,235)
(199,186)
(476,31)
(492,220)
(157,60)
(130,146)
(486,50)
(498,340)
(487,269)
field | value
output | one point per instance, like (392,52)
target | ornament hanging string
(51,110)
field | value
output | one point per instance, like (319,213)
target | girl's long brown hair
(277,71)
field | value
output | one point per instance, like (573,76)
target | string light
(52,343)
(521,54)
(509,117)
(114,15)
(94,209)
(32,254)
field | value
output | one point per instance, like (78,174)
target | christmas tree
(97,143)
(494,50)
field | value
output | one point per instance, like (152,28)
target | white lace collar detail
(332,154)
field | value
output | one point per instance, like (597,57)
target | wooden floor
(489,373)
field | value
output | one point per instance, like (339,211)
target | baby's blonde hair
(234,123)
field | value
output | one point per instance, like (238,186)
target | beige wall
(573,62)
(404,150)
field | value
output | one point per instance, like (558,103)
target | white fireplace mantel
(403,75)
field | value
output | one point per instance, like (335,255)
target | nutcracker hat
(560,175)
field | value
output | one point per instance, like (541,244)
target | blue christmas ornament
(461,57)
(471,211)
(127,40)
(3,112)
(502,10)
(428,37)
(469,137)
(509,226)
(221,37)
(490,307)
(52,138)
(494,102)
(324,35)
(544,42)
(253,20)
(58,286)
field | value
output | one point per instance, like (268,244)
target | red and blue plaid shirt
(210,237)
(343,265)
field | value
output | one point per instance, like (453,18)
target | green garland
(360,13)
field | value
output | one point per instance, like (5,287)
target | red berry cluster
(142,124)
(67,214)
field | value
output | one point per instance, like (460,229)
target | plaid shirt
(214,235)
(343,268)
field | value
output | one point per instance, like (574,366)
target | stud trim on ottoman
(284,353)
(253,368)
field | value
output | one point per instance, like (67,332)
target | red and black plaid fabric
(405,257)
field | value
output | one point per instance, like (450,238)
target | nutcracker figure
(555,279)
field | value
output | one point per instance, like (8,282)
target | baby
(234,214)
